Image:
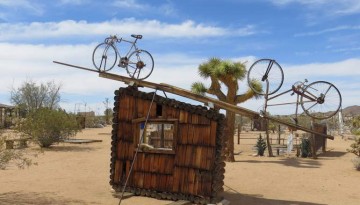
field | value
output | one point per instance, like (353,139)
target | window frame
(136,124)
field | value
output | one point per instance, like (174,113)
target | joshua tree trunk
(229,136)
(268,138)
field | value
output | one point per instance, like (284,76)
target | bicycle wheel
(140,64)
(320,100)
(104,57)
(263,71)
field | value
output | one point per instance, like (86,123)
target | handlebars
(112,38)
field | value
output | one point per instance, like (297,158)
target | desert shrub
(355,147)
(305,148)
(47,126)
(17,156)
(261,146)
(94,122)
(356,162)
(355,131)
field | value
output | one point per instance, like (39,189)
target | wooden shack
(179,156)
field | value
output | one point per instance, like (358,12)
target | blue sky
(313,39)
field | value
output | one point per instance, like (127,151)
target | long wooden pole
(193,96)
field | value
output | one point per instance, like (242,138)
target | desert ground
(79,174)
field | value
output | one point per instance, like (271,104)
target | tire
(328,100)
(140,64)
(257,71)
(104,57)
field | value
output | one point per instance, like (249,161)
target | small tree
(108,111)
(31,96)
(355,147)
(48,126)
(355,123)
(261,146)
(305,148)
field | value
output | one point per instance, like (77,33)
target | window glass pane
(157,135)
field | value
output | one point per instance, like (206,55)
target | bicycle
(319,99)
(138,63)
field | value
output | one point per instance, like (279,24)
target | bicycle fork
(266,75)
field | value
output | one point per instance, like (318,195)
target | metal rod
(283,104)
(280,94)
(138,148)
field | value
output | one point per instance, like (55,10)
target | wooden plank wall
(188,171)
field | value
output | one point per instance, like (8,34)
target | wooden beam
(193,96)
(204,99)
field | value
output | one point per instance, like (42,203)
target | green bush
(355,131)
(47,126)
(305,148)
(261,146)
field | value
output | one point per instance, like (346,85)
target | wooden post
(268,139)
(278,151)
(312,141)
(238,132)
(279,134)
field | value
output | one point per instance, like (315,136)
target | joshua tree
(226,73)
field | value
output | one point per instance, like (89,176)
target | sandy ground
(79,174)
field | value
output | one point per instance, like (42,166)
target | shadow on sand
(330,154)
(292,162)
(70,148)
(235,197)
(29,198)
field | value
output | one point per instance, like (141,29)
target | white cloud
(166,8)
(329,30)
(330,7)
(129,4)
(345,68)
(25,5)
(23,61)
(74,2)
(152,28)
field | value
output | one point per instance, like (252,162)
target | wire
(137,150)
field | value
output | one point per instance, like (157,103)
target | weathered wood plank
(180,202)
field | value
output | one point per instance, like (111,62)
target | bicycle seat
(136,36)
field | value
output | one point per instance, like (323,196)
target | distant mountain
(351,110)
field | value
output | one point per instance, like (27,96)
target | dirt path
(79,174)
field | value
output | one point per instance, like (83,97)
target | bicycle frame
(299,93)
(133,46)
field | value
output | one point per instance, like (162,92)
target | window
(157,135)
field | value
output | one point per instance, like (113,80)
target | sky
(312,39)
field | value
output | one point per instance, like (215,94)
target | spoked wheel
(104,57)
(321,100)
(263,71)
(140,64)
